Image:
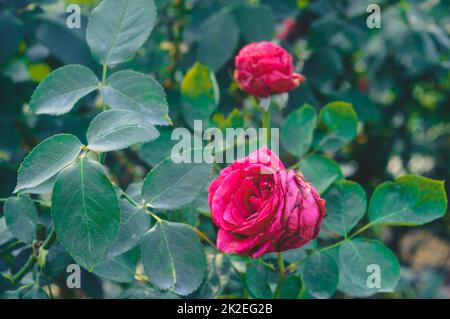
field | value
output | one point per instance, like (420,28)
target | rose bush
(89,180)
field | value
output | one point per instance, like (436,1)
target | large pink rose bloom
(259,207)
(263,69)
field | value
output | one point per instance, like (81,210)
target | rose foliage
(99,189)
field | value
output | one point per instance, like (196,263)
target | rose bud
(259,213)
(264,69)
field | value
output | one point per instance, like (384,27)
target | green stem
(266,125)
(204,237)
(50,240)
(217,167)
(42,203)
(331,246)
(302,292)
(361,230)
(24,270)
(282,273)
(102,156)
(34,257)
(156,217)
(292,267)
(127,197)
(104,73)
(134,203)
(245,294)
(49,286)
(266,119)
(11,247)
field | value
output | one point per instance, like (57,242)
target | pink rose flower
(259,213)
(263,69)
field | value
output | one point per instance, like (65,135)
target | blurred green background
(397,78)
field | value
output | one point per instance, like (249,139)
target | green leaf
(217,278)
(320,275)
(5,232)
(146,293)
(156,151)
(199,94)
(346,205)
(235,119)
(67,45)
(44,188)
(219,41)
(118,129)
(61,89)
(137,92)
(298,254)
(297,131)
(356,259)
(200,202)
(291,288)
(135,222)
(320,171)
(56,261)
(190,216)
(5,284)
(337,126)
(117,29)
(85,211)
(11,294)
(173,257)
(134,191)
(47,159)
(409,200)
(35,292)
(121,268)
(323,67)
(256,281)
(257,23)
(172,185)
(304,294)
(11,34)
(365,108)
(22,217)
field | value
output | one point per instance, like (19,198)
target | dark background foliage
(397,78)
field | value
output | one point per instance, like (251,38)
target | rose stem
(281,270)
(292,267)
(102,156)
(33,258)
(266,125)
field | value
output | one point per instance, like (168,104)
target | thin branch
(34,257)
(292,267)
